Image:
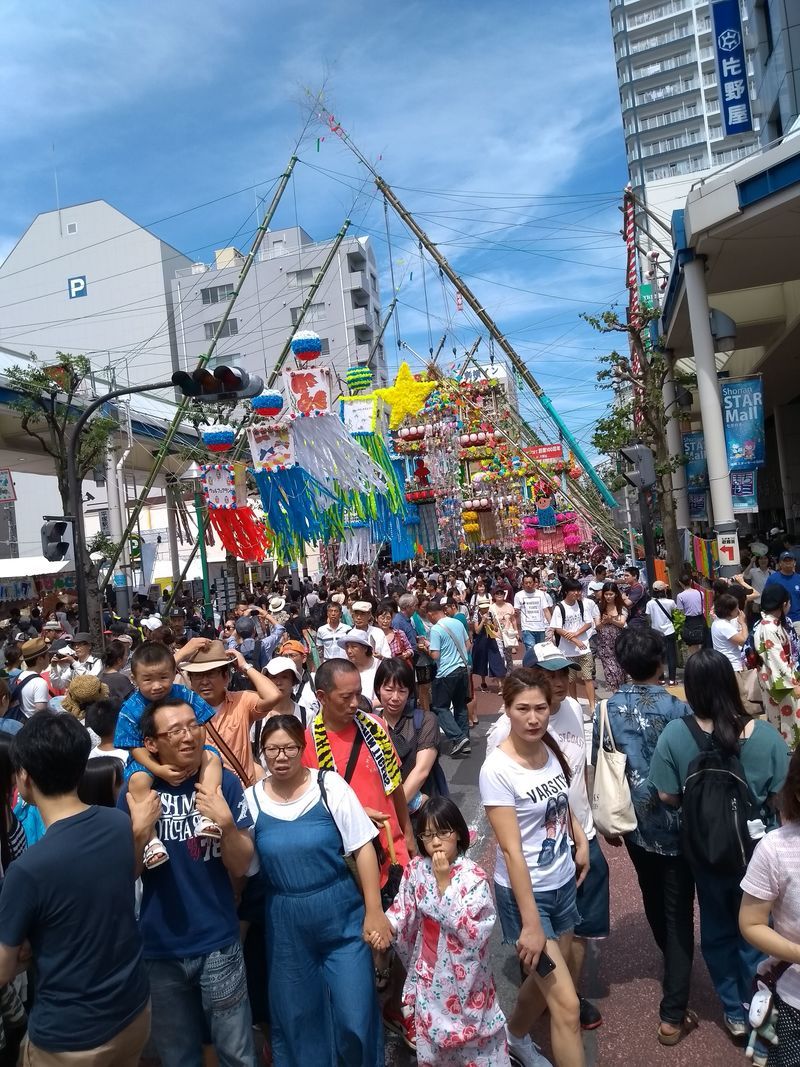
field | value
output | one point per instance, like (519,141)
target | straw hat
(215,656)
(83,690)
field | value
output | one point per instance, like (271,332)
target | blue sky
(497,124)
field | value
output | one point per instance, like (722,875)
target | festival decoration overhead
(306,346)
(268,404)
(406,397)
(225,493)
(218,437)
(358,378)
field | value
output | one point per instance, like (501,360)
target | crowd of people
(236,830)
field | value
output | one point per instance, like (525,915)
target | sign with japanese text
(544,453)
(359,413)
(728,549)
(271,446)
(743,413)
(694,448)
(698,506)
(734,94)
(744,491)
(7,492)
(223,486)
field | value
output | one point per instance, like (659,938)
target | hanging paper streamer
(406,397)
(309,390)
(297,509)
(218,437)
(356,546)
(358,378)
(225,494)
(325,449)
(267,404)
(306,346)
(271,446)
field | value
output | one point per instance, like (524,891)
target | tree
(641,374)
(47,408)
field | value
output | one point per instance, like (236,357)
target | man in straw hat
(30,689)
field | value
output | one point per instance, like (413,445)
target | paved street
(622,976)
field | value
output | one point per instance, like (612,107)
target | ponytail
(555,748)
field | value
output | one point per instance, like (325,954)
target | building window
(326,348)
(298,278)
(72,228)
(215,293)
(374,282)
(230,328)
(314,314)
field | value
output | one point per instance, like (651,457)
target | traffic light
(223,383)
(54,548)
(640,457)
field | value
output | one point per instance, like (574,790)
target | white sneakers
(524,1053)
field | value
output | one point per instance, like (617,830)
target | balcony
(684,114)
(665,11)
(653,96)
(362,321)
(671,144)
(658,41)
(358,283)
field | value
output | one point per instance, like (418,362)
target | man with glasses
(188,918)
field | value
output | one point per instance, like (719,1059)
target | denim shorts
(592,898)
(558,911)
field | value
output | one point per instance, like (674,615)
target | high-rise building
(87,279)
(669,91)
(345,311)
(775,27)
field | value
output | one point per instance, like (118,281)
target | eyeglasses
(175,733)
(273,751)
(229,627)
(428,835)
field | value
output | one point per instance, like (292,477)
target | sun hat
(355,637)
(277,603)
(53,625)
(660,587)
(337,598)
(281,665)
(214,656)
(483,602)
(81,691)
(33,648)
(547,655)
(82,638)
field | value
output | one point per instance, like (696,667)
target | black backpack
(560,604)
(15,711)
(717,804)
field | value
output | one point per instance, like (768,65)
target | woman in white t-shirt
(772,892)
(729,635)
(524,787)
(659,610)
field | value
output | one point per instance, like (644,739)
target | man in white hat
(209,672)
(362,620)
(330,633)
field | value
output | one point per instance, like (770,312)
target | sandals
(690,1022)
(154,854)
(206,828)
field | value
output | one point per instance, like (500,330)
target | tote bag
(612,808)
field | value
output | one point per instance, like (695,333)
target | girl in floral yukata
(443,916)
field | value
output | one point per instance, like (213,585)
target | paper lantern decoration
(218,437)
(267,404)
(406,397)
(358,378)
(306,346)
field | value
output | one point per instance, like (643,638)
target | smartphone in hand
(544,965)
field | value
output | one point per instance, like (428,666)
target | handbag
(612,807)
(424,667)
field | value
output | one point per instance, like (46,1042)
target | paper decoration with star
(406,397)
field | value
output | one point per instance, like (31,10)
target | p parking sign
(77,286)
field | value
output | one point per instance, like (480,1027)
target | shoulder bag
(612,807)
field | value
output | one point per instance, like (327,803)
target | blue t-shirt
(791,583)
(129,735)
(637,714)
(447,638)
(188,907)
(72,897)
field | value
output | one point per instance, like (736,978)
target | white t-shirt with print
(659,616)
(353,823)
(541,803)
(566,726)
(772,875)
(531,607)
(722,630)
(571,621)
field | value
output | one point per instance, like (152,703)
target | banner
(271,446)
(544,453)
(744,491)
(737,115)
(698,506)
(743,412)
(694,448)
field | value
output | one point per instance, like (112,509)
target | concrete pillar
(675,445)
(711,413)
(122,574)
(783,466)
(172,530)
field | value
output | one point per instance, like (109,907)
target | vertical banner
(743,412)
(734,94)
(744,491)
(694,448)
(698,506)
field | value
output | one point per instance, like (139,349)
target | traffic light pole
(648,538)
(75,494)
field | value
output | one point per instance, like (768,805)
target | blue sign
(698,511)
(694,447)
(743,412)
(77,286)
(744,493)
(734,94)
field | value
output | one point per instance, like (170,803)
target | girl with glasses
(323,1004)
(443,917)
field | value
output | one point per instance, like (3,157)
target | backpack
(317,615)
(14,698)
(717,804)
(579,605)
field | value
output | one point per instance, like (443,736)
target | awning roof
(32,567)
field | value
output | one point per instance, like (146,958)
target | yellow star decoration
(406,397)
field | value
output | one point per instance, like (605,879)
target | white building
(345,312)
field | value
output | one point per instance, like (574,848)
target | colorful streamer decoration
(267,404)
(225,494)
(306,346)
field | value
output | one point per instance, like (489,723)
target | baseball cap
(547,655)
(152,622)
(437,603)
(361,605)
(294,646)
(280,664)
(786,555)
